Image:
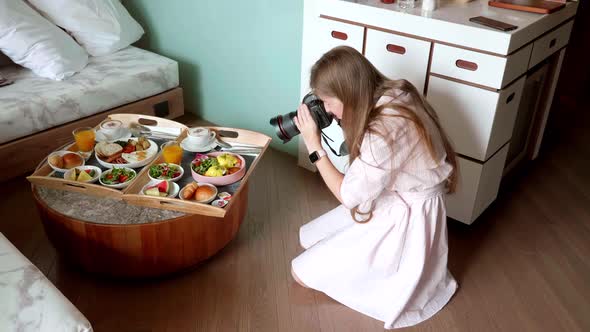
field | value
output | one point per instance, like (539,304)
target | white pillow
(35,43)
(101,26)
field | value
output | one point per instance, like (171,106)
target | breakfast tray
(257,142)
(45,176)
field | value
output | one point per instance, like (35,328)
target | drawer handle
(396,49)
(339,35)
(510,97)
(552,42)
(467,65)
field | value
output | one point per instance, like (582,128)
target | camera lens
(284,126)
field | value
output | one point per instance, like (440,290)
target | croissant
(189,190)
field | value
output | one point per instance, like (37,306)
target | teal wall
(239,60)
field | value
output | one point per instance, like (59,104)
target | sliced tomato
(128,148)
(123,178)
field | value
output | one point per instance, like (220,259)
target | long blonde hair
(346,74)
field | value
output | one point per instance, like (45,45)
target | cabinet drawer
(550,43)
(478,121)
(477,187)
(398,57)
(333,33)
(484,69)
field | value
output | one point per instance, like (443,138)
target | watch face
(313,157)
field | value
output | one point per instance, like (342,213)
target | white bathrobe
(394,267)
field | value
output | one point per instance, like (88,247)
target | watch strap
(316,155)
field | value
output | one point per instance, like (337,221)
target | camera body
(285,127)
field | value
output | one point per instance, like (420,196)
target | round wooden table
(110,237)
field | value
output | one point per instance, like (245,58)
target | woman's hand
(308,128)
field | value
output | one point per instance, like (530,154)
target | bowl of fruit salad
(218,168)
(88,174)
(117,177)
(166,171)
(163,188)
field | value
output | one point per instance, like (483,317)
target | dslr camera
(285,127)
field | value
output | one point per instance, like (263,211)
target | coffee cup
(111,129)
(199,137)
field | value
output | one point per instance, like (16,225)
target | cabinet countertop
(449,22)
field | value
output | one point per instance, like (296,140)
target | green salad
(164,171)
(201,166)
(117,176)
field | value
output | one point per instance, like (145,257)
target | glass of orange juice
(84,138)
(172,153)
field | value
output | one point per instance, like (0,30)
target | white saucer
(100,137)
(205,148)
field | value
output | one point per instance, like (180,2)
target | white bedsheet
(29,302)
(33,104)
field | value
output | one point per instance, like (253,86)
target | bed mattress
(33,104)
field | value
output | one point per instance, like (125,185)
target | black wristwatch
(316,155)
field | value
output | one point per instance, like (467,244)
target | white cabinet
(479,68)
(550,43)
(398,56)
(333,33)
(477,121)
(327,35)
(473,76)
(477,187)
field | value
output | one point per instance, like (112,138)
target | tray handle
(146,120)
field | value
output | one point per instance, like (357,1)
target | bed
(37,115)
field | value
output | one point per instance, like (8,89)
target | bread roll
(56,161)
(204,193)
(71,160)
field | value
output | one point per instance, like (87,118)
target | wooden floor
(524,266)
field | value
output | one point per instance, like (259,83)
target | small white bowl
(97,174)
(118,185)
(173,179)
(61,154)
(174,189)
(205,201)
(220,203)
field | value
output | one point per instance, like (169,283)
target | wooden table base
(143,250)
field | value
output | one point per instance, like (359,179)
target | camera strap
(326,138)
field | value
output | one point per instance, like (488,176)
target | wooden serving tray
(533,6)
(132,194)
(230,135)
(43,175)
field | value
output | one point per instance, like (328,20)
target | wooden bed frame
(20,156)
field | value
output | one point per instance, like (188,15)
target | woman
(383,252)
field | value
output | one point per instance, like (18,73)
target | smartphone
(493,23)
